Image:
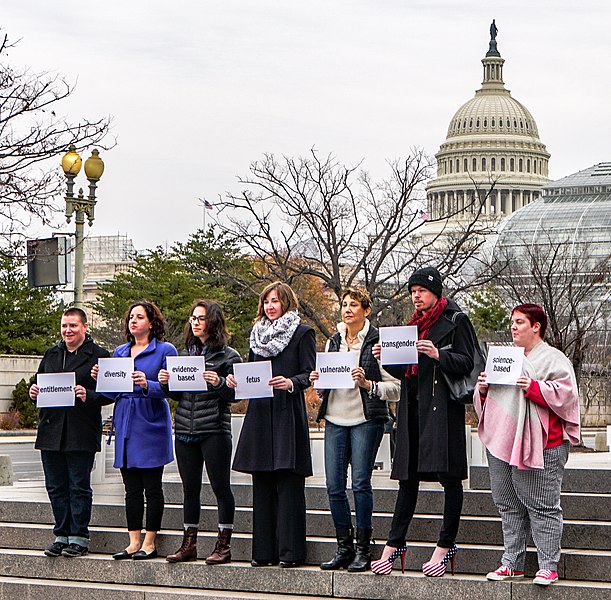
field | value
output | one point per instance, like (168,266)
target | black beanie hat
(428,278)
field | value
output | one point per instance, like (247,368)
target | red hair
(535,314)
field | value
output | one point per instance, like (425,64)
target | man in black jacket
(69,437)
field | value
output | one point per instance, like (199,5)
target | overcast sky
(200,89)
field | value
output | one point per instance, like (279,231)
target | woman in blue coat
(143,427)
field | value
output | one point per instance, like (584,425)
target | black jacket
(207,412)
(275,433)
(430,426)
(373,406)
(79,427)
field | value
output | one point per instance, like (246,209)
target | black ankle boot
(344,554)
(362,560)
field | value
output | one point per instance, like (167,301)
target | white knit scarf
(269,338)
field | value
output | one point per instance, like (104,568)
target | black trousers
(213,451)
(279,516)
(406,505)
(138,484)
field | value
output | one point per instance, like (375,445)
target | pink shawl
(515,429)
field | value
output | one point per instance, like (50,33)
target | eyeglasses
(200,319)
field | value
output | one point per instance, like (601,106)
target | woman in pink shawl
(527,431)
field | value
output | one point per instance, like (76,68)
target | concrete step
(593,535)
(575,563)
(589,481)
(157,579)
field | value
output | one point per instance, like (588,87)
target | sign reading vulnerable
(253,380)
(55,389)
(335,370)
(186,373)
(399,345)
(504,364)
(115,375)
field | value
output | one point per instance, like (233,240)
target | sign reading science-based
(335,370)
(253,380)
(186,373)
(399,345)
(55,389)
(115,375)
(504,364)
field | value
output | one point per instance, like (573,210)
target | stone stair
(25,572)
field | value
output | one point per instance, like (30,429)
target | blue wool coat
(141,421)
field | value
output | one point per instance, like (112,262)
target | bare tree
(312,217)
(32,131)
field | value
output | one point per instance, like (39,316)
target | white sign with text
(335,370)
(253,380)
(186,373)
(115,375)
(399,345)
(504,364)
(55,389)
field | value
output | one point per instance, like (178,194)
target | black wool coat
(78,427)
(207,412)
(275,433)
(431,436)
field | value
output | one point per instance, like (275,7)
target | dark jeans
(357,446)
(214,451)
(138,484)
(68,483)
(279,516)
(406,505)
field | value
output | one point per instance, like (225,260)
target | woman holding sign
(431,444)
(203,430)
(274,444)
(527,429)
(354,425)
(143,427)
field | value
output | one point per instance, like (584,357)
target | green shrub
(22,403)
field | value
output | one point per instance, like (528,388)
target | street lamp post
(80,207)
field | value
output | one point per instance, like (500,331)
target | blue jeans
(356,446)
(68,483)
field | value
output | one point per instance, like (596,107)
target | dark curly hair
(216,328)
(158,325)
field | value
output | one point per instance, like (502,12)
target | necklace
(352,339)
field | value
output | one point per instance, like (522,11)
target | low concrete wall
(12,370)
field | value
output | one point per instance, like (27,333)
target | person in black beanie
(431,443)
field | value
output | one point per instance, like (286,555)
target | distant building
(491,138)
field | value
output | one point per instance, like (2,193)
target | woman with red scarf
(431,443)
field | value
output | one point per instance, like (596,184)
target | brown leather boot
(222,550)
(188,550)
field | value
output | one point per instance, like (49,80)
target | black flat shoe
(262,563)
(290,564)
(123,554)
(142,555)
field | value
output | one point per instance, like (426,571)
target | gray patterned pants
(529,502)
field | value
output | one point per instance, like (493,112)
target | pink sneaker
(545,577)
(504,572)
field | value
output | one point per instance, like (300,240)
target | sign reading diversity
(504,364)
(399,345)
(335,370)
(186,373)
(115,375)
(55,389)
(253,380)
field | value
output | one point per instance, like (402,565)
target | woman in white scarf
(527,431)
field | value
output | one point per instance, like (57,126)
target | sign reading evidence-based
(253,380)
(399,345)
(335,370)
(55,389)
(115,375)
(504,364)
(186,373)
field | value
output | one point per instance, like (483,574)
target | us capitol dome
(492,139)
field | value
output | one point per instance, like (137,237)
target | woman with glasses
(203,430)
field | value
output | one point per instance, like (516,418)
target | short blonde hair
(286,295)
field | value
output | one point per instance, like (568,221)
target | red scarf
(424,322)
